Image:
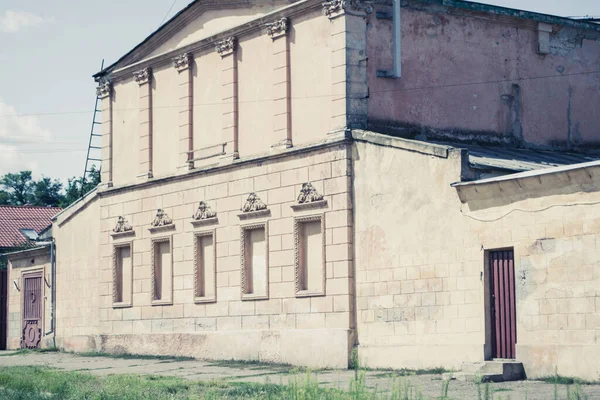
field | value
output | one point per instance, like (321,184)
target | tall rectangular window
(255,262)
(122,275)
(205,272)
(310,256)
(162,271)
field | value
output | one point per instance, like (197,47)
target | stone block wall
(421,260)
(220,329)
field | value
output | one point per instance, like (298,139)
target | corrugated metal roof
(519,160)
(15,218)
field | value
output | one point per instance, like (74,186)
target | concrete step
(489,371)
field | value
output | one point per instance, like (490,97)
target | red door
(504,328)
(32,310)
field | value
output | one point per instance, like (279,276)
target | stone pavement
(232,371)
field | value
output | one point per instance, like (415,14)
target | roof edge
(423,147)
(517,13)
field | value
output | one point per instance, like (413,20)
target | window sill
(306,293)
(252,297)
(204,300)
(162,302)
(122,305)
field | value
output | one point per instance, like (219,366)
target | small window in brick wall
(205,272)
(309,235)
(255,262)
(122,275)
(162,271)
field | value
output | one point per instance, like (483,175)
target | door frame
(488,348)
(33,273)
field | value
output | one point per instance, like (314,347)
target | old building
(282,181)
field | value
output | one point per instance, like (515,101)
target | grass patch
(391,373)
(566,380)
(253,365)
(128,356)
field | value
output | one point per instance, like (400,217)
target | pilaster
(183,65)
(349,62)
(104,92)
(144,80)
(278,31)
(229,96)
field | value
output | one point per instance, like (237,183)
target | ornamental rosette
(182,62)
(104,89)
(142,76)
(278,27)
(334,6)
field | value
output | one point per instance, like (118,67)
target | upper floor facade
(237,79)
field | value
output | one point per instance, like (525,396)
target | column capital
(278,28)
(143,76)
(104,89)
(182,62)
(226,47)
(335,8)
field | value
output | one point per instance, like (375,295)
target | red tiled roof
(14,218)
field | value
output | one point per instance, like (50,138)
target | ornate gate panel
(32,310)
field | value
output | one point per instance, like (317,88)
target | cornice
(208,44)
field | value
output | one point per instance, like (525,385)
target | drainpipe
(396,72)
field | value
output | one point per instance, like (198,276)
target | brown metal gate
(504,328)
(3,307)
(32,310)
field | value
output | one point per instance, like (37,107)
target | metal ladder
(94,155)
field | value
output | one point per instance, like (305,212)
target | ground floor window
(162,271)
(255,262)
(309,235)
(205,271)
(122,274)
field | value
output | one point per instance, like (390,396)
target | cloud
(14,21)
(15,133)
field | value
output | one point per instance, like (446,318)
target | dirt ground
(429,385)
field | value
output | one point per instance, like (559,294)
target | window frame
(243,228)
(116,251)
(154,242)
(297,222)
(205,299)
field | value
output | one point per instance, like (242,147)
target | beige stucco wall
(165,121)
(207,111)
(77,239)
(19,265)
(277,329)
(255,94)
(310,77)
(420,263)
(126,103)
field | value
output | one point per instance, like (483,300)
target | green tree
(4,198)
(19,187)
(47,192)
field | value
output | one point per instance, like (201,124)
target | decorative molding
(182,62)
(253,207)
(308,194)
(278,28)
(227,46)
(308,198)
(143,76)
(122,225)
(243,229)
(154,242)
(161,219)
(104,89)
(116,248)
(333,8)
(204,211)
(205,299)
(253,203)
(297,221)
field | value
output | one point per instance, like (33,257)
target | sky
(49,51)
